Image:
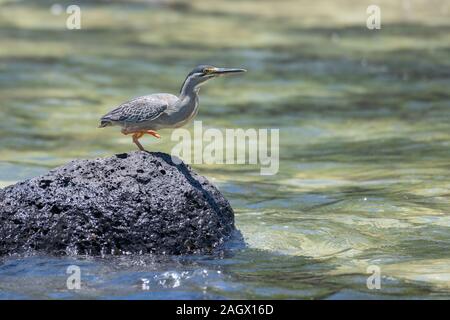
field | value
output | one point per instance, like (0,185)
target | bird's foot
(153,133)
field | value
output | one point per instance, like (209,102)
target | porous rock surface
(138,202)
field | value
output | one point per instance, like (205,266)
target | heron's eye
(207,70)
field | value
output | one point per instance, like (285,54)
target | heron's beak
(221,71)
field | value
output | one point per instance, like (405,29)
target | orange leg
(139,134)
(136,137)
(153,133)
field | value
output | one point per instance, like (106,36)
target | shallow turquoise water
(364,139)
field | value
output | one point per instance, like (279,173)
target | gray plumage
(162,110)
(140,109)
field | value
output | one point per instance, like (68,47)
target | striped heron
(149,113)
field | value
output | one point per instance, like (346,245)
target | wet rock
(130,203)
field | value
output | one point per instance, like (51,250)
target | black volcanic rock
(138,202)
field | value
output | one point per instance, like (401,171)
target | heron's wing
(138,110)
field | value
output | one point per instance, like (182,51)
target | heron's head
(203,73)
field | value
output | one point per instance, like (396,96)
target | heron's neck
(189,90)
(187,104)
